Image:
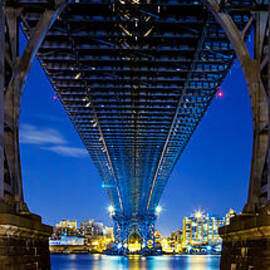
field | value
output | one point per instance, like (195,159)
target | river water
(103,262)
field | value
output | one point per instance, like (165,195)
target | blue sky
(60,180)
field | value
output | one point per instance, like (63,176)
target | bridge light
(158,209)
(220,94)
(78,76)
(88,104)
(111,209)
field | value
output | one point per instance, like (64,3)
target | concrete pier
(246,243)
(24,243)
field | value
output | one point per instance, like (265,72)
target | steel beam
(178,107)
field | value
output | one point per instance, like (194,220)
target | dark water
(98,262)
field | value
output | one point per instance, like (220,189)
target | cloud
(32,135)
(50,140)
(67,151)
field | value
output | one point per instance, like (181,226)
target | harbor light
(158,209)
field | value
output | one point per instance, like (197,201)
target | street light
(111,209)
(158,209)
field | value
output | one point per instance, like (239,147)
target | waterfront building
(65,223)
(202,229)
(176,236)
(67,240)
(173,243)
(64,227)
(90,228)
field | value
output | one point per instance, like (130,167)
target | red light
(54,97)
(220,94)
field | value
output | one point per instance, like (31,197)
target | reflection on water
(135,262)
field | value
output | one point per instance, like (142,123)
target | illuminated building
(91,237)
(202,229)
(65,226)
(172,244)
(72,225)
(66,240)
(176,236)
(90,228)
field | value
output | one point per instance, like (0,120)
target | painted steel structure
(135,78)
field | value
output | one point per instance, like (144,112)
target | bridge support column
(246,241)
(23,237)
(144,227)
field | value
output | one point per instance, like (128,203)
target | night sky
(60,180)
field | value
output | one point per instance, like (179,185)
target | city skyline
(198,214)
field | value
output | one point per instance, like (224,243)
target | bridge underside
(135,78)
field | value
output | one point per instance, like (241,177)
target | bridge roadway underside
(135,78)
